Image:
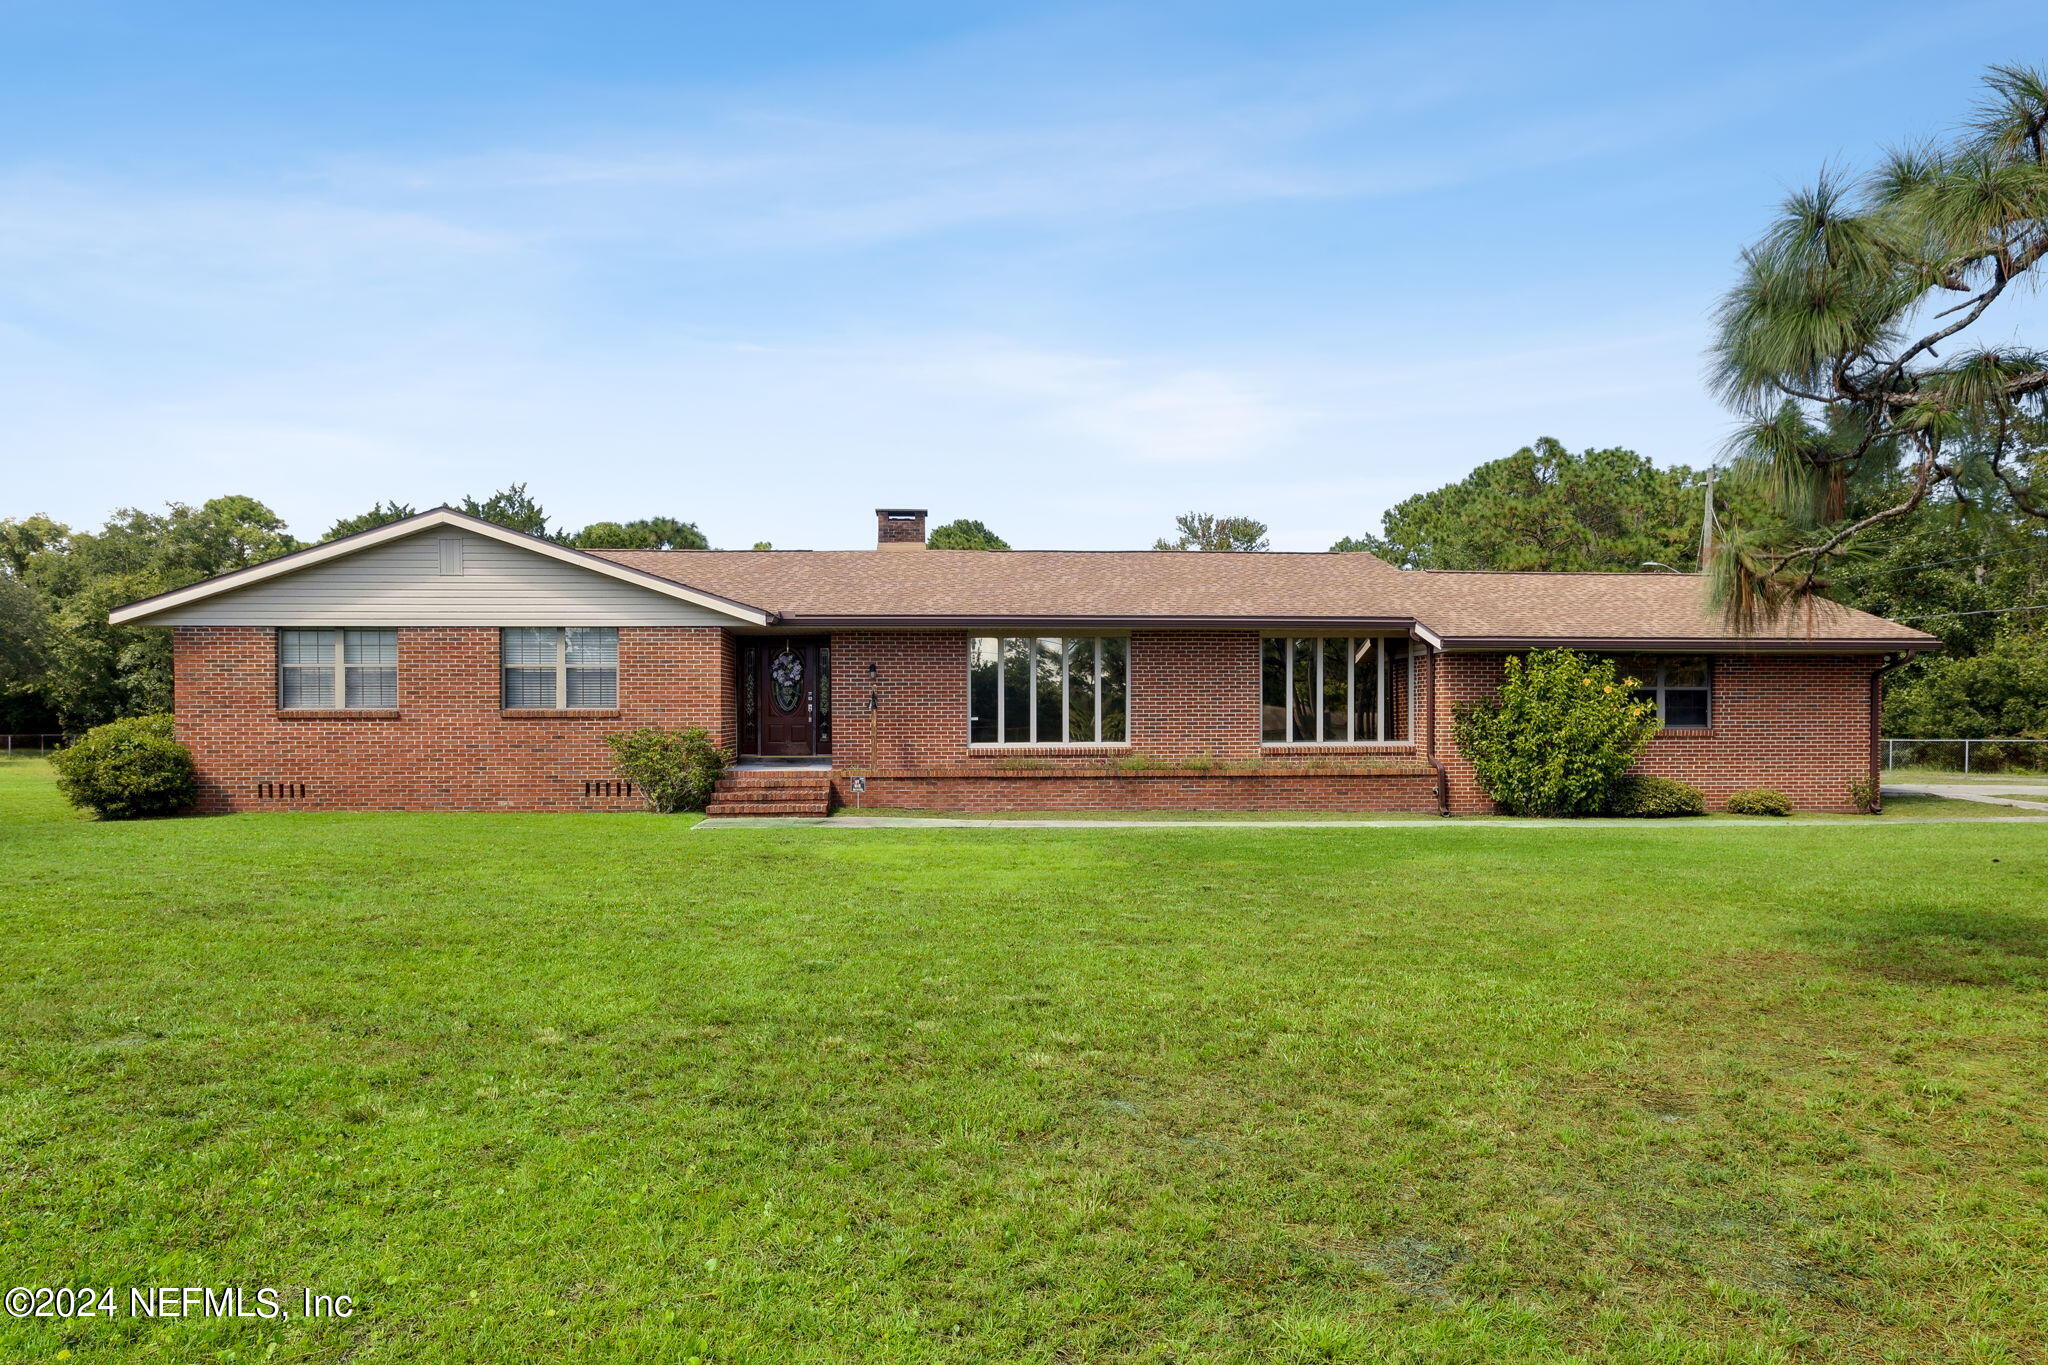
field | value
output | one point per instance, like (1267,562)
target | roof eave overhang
(139,612)
(1720,644)
(799,620)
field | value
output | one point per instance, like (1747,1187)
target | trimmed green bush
(128,769)
(1558,737)
(674,769)
(1656,798)
(1759,801)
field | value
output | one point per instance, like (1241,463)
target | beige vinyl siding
(402,584)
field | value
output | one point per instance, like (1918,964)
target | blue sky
(1070,270)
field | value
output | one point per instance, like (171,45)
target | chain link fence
(1966,755)
(11,744)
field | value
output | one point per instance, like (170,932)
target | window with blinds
(550,668)
(324,670)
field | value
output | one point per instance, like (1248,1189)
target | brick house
(442,662)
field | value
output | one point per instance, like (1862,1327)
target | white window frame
(337,667)
(1066,716)
(561,670)
(1350,736)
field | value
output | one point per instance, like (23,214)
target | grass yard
(602,1088)
(1897,806)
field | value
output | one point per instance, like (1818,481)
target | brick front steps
(747,791)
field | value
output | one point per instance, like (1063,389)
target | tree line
(63,667)
(1956,567)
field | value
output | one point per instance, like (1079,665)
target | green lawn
(1898,806)
(602,1088)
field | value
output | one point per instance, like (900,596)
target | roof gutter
(1467,644)
(958,620)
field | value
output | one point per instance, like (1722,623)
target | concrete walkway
(1979,792)
(2026,811)
(897,822)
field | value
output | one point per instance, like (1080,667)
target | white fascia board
(441,516)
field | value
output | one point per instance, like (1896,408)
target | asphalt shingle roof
(1135,586)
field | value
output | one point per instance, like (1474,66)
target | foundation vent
(608,788)
(280,791)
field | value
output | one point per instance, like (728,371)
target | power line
(1989,611)
(1938,563)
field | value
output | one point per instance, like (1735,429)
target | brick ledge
(301,713)
(1409,769)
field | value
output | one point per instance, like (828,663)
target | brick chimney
(899,528)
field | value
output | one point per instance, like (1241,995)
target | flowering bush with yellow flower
(1559,736)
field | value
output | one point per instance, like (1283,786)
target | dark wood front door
(790,699)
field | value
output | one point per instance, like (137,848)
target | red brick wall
(1403,787)
(1797,724)
(448,746)
(1194,695)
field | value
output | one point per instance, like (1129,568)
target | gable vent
(280,791)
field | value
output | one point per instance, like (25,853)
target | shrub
(1863,795)
(1656,798)
(675,769)
(127,769)
(1759,801)
(1558,737)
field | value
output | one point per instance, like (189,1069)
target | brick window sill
(301,713)
(1391,746)
(1045,750)
(547,713)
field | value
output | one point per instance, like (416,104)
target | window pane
(1398,708)
(1081,690)
(1644,671)
(1047,660)
(593,646)
(527,645)
(1273,693)
(1365,702)
(1685,672)
(984,679)
(1016,691)
(372,689)
(529,687)
(593,687)
(1685,707)
(312,687)
(1336,687)
(1115,684)
(306,647)
(369,646)
(1304,700)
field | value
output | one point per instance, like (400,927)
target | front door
(790,697)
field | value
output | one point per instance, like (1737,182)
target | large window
(1336,689)
(561,667)
(1682,686)
(320,670)
(1047,689)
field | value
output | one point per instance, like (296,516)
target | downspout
(1876,739)
(1443,777)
